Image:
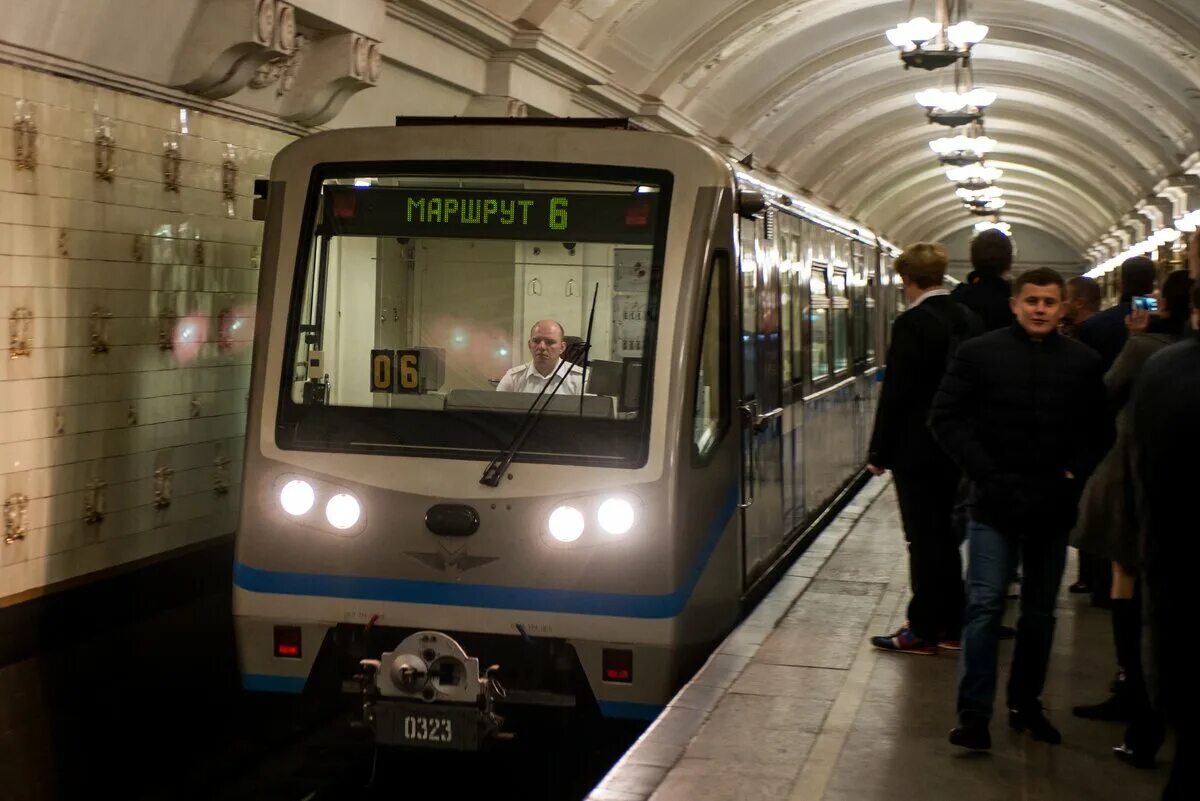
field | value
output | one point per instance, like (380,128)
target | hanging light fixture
(987,193)
(984,206)
(931,45)
(955,108)
(993,225)
(964,149)
(974,176)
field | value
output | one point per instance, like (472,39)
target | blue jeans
(989,555)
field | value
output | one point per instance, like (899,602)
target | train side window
(711,413)
(841,322)
(819,321)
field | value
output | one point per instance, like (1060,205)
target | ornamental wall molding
(138,87)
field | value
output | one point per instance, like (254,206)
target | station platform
(797,705)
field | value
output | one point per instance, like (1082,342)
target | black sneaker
(972,733)
(1079,588)
(1034,721)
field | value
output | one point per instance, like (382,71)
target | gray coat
(1108,525)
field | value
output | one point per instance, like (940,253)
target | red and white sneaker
(905,641)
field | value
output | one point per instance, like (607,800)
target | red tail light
(618,665)
(287,642)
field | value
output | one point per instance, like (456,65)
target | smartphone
(1146,303)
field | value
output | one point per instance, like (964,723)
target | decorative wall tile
(95,249)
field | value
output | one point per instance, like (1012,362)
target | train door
(761,407)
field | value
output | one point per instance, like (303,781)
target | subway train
(443,549)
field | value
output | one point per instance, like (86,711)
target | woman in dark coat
(1109,526)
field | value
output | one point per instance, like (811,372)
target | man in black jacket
(987,295)
(1105,332)
(924,338)
(1166,428)
(1022,412)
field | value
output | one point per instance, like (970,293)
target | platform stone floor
(797,705)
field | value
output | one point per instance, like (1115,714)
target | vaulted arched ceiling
(1099,99)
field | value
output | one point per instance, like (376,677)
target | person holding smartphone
(1106,333)
(1108,523)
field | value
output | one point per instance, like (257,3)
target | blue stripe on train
(260,682)
(628,709)
(491,596)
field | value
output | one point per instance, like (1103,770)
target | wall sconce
(221,475)
(16,522)
(229,173)
(167,319)
(172,161)
(162,487)
(99,322)
(106,148)
(25,136)
(94,505)
(20,333)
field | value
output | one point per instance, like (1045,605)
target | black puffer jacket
(1017,415)
(988,298)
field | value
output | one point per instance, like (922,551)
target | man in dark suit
(1166,427)
(1022,411)
(924,337)
(987,294)
(1105,332)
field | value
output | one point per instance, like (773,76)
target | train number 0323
(423,729)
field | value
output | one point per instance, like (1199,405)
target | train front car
(413,514)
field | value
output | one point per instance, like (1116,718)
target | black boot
(972,733)
(1118,706)
(1034,721)
(1114,708)
(1146,731)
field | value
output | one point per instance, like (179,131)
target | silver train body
(762,317)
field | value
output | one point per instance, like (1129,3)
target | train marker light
(297,497)
(566,524)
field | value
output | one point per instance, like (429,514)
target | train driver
(546,345)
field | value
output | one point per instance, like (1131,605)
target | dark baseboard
(54,617)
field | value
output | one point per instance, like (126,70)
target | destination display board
(554,216)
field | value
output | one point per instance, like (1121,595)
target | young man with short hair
(987,295)
(1022,411)
(924,338)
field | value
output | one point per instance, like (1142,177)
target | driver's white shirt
(524,378)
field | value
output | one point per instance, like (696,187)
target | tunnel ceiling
(1099,100)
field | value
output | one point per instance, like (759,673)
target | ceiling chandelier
(974,176)
(993,225)
(963,150)
(930,44)
(987,193)
(984,206)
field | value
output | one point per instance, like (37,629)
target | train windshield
(434,306)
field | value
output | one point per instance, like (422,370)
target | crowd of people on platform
(1021,417)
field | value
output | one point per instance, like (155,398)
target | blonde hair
(924,264)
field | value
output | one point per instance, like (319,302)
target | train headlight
(342,511)
(297,497)
(616,515)
(566,524)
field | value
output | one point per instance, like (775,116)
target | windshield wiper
(500,464)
